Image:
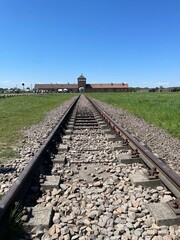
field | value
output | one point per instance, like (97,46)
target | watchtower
(81,82)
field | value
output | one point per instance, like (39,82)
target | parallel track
(89,165)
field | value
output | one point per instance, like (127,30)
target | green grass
(159,109)
(14,229)
(19,112)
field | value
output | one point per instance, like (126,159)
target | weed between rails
(15,228)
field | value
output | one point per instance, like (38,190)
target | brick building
(82,86)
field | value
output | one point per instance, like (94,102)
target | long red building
(82,86)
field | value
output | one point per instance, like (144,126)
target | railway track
(93,181)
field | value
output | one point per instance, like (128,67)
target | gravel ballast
(158,140)
(98,200)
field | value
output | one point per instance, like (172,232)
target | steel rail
(20,186)
(167,175)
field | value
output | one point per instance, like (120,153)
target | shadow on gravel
(5,170)
(35,191)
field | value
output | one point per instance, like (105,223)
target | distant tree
(161,88)
(176,89)
(11,90)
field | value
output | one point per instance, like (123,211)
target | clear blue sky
(54,41)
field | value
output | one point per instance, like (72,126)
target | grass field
(19,112)
(159,109)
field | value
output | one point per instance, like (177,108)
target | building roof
(81,77)
(75,86)
(55,86)
(110,86)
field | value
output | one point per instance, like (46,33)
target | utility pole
(23,86)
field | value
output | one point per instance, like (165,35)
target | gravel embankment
(33,137)
(158,140)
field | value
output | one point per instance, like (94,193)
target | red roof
(75,86)
(56,86)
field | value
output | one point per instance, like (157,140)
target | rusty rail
(166,174)
(20,186)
